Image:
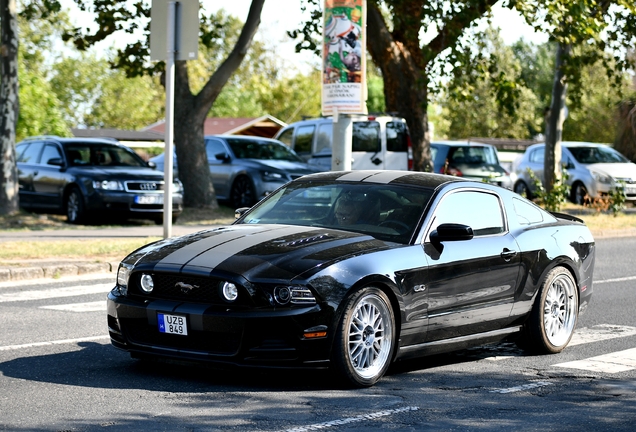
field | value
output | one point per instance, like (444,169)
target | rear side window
(396,137)
(366,137)
(304,137)
(30,155)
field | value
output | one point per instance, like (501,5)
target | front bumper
(132,204)
(217,334)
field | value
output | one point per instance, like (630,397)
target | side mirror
(55,161)
(223,157)
(151,164)
(239,212)
(451,232)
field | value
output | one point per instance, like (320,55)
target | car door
(220,162)
(471,283)
(27,164)
(49,179)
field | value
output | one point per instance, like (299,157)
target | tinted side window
(51,151)
(286,137)
(30,155)
(304,137)
(366,137)
(396,137)
(459,208)
(324,138)
(537,155)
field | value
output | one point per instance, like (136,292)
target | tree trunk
(405,86)
(556,117)
(191,111)
(10,106)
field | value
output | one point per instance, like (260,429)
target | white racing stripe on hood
(186,253)
(219,253)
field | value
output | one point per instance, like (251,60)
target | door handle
(508,254)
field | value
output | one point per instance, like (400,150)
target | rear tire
(554,314)
(365,339)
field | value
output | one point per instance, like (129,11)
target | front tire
(242,193)
(579,194)
(75,210)
(555,313)
(365,338)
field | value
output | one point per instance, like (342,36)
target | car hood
(616,170)
(121,173)
(256,252)
(485,170)
(287,166)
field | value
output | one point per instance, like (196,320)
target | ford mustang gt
(357,270)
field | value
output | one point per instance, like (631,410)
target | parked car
(378,142)
(245,168)
(354,271)
(84,177)
(474,161)
(593,170)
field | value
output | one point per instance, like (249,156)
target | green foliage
(613,202)
(553,200)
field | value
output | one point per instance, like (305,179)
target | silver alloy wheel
(369,334)
(73,206)
(559,310)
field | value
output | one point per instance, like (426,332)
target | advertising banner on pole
(344,88)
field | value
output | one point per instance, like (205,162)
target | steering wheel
(399,226)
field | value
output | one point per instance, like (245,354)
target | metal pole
(169,133)
(342,142)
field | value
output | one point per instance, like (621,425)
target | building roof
(264,126)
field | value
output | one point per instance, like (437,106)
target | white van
(378,142)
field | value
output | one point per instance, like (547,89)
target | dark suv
(82,176)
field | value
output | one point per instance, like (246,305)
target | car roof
(243,138)
(412,178)
(64,140)
(451,143)
(573,144)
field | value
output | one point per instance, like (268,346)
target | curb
(54,271)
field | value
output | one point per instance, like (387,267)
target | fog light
(282,295)
(229,291)
(147,284)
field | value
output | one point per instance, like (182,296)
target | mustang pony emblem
(185,288)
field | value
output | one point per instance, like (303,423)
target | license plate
(149,199)
(172,324)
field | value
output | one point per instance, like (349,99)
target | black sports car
(356,270)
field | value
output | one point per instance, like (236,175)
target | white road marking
(600,332)
(623,279)
(79,307)
(56,292)
(523,387)
(55,342)
(349,420)
(619,361)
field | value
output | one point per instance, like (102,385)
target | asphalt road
(59,372)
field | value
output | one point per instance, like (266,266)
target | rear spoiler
(567,217)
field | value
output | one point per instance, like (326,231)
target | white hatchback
(593,170)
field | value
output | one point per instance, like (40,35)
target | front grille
(208,341)
(144,186)
(169,287)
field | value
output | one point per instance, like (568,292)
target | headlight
(229,291)
(177,186)
(269,176)
(294,295)
(108,185)
(123,274)
(601,178)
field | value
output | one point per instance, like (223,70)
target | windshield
(387,212)
(102,155)
(592,155)
(253,149)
